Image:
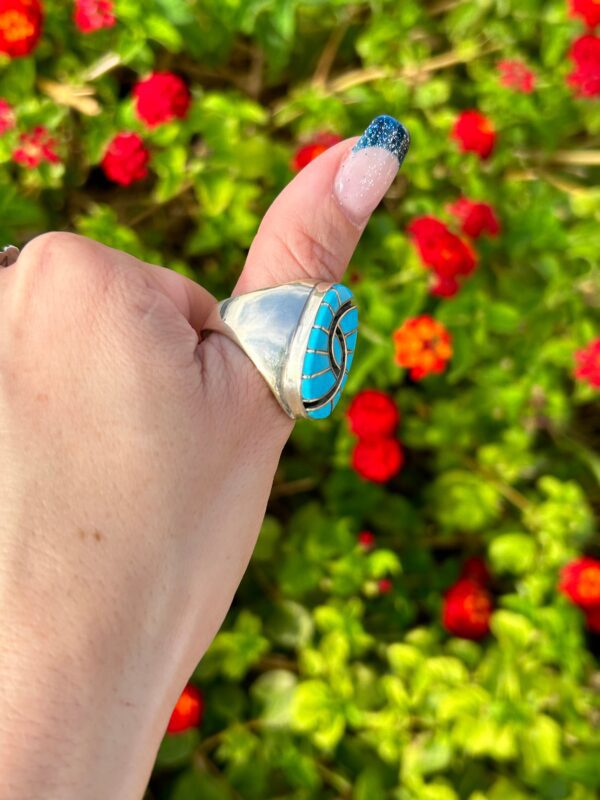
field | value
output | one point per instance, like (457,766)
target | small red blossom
(592,619)
(35,147)
(474,133)
(20,26)
(161,97)
(385,586)
(188,710)
(366,540)
(377,460)
(467,609)
(585,53)
(588,363)
(92,15)
(445,253)
(476,219)
(476,570)
(372,414)
(580,582)
(422,345)
(587,10)
(516,75)
(7,116)
(444,287)
(309,151)
(126,159)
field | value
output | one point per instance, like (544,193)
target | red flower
(515,75)
(372,414)
(474,133)
(161,97)
(385,586)
(475,218)
(126,159)
(588,10)
(20,26)
(592,618)
(377,460)
(91,15)
(35,147)
(585,52)
(188,710)
(588,363)
(476,570)
(7,116)
(444,287)
(467,609)
(308,152)
(422,345)
(444,252)
(366,540)
(580,582)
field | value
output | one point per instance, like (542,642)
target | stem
(442,6)
(213,741)
(510,493)
(101,67)
(329,53)
(148,212)
(586,158)
(293,487)
(581,158)
(334,779)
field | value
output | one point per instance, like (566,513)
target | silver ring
(8,255)
(301,336)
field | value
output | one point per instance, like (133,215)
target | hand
(137,463)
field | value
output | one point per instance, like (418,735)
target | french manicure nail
(368,170)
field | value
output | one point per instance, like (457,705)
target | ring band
(301,336)
(8,255)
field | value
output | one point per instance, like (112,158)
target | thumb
(311,231)
(313,227)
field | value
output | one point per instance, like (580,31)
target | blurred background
(421,617)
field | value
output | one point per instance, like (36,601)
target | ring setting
(301,336)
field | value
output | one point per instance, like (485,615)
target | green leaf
(512,552)
(275,692)
(160,29)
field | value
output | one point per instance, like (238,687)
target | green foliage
(319,686)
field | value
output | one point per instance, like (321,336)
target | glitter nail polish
(367,172)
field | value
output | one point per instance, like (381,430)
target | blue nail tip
(330,352)
(386,132)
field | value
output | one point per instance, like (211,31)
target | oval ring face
(330,352)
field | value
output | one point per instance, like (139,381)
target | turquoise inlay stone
(330,352)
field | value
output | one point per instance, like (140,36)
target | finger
(59,249)
(310,231)
(313,227)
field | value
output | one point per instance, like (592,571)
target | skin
(138,460)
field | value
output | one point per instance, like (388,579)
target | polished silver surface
(272,327)
(8,255)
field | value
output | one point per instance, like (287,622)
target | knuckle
(308,255)
(60,257)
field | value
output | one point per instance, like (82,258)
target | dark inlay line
(335,331)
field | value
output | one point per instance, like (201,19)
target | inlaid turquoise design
(330,351)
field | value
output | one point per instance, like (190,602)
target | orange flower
(20,26)
(422,345)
